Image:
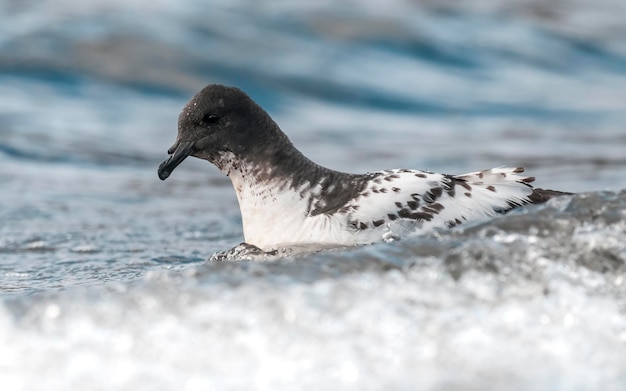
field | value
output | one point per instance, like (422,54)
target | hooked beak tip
(163,172)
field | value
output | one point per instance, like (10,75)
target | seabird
(288,200)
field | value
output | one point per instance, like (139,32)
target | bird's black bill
(178,153)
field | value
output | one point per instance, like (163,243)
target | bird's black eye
(210,119)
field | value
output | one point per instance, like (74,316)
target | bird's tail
(507,188)
(539,196)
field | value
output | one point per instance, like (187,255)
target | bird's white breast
(275,214)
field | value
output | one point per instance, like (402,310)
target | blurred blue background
(441,85)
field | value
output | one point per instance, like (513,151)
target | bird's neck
(272,204)
(280,195)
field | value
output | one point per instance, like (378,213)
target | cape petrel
(286,199)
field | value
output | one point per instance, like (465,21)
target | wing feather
(420,201)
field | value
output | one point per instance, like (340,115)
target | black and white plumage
(286,199)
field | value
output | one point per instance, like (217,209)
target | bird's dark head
(220,119)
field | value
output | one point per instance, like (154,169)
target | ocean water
(103,279)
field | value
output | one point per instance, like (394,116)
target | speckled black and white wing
(395,201)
